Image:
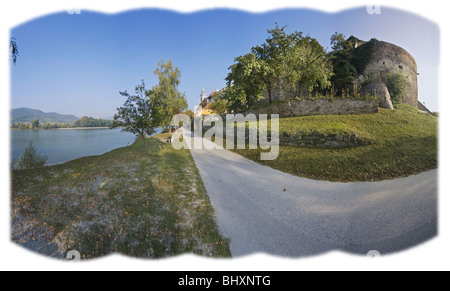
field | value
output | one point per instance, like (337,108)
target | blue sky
(77,64)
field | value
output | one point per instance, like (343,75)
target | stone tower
(389,58)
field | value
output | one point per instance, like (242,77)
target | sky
(77,63)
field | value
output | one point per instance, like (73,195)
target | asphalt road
(262,210)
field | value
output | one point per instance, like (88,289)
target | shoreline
(65,128)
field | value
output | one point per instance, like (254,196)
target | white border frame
(429,256)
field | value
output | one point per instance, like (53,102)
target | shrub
(30,159)
(396,84)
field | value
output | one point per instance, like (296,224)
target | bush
(30,159)
(396,84)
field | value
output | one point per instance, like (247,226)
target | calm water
(62,145)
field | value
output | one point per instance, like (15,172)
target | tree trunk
(269,91)
(145,143)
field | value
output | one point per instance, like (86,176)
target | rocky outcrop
(381,92)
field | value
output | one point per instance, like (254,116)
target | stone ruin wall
(391,58)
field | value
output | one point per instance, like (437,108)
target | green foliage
(189,113)
(396,84)
(349,61)
(308,66)
(148,109)
(292,61)
(171,101)
(236,99)
(35,124)
(92,122)
(245,81)
(140,114)
(30,159)
(405,143)
(362,55)
(220,104)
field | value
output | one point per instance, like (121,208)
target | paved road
(313,217)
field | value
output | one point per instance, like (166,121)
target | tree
(349,60)
(171,101)
(140,114)
(92,122)
(30,159)
(219,104)
(14,50)
(289,61)
(245,81)
(272,56)
(189,113)
(342,56)
(308,66)
(35,124)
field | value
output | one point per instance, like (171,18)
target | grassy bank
(405,143)
(124,201)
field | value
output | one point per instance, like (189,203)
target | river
(62,145)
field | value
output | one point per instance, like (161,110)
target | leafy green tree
(220,104)
(170,99)
(291,61)
(349,61)
(30,159)
(342,56)
(308,66)
(140,114)
(245,81)
(35,124)
(272,56)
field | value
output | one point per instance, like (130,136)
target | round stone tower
(389,58)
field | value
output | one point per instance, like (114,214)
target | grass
(405,143)
(163,136)
(124,201)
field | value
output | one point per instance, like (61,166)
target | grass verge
(124,201)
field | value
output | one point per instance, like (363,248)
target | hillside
(404,143)
(23,114)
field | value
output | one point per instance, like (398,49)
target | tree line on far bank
(84,121)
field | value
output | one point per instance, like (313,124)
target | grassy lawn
(124,201)
(405,143)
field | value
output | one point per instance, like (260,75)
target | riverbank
(124,201)
(61,128)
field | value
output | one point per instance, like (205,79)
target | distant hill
(28,115)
